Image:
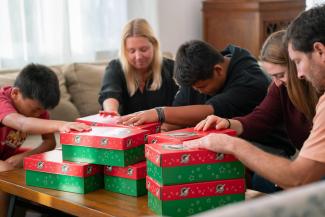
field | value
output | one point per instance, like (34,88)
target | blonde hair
(301,93)
(140,27)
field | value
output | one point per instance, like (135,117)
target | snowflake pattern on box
(64,182)
(103,156)
(187,207)
(195,173)
(125,186)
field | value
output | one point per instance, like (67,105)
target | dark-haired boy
(23,111)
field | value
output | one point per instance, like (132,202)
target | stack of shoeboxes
(128,178)
(119,149)
(48,170)
(182,182)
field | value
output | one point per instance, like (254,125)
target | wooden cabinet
(246,23)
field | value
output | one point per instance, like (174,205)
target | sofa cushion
(83,82)
(65,110)
(8,77)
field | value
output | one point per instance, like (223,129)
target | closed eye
(278,75)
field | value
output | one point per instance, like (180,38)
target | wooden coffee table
(97,203)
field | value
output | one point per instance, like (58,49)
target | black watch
(161,114)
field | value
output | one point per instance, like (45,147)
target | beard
(317,82)
(316,77)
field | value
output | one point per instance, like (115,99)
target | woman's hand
(212,121)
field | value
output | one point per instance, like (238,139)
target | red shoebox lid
(111,121)
(51,162)
(172,155)
(135,171)
(178,136)
(195,190)
(106,137)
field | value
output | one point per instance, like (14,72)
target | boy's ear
(218,69)
(15,92)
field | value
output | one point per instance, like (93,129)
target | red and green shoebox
(48,170)
(171,164)
(113,146)
(130,180)
(178,136)
(111,121)
(188,199)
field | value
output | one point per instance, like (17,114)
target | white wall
(178,21)
(311,3)
(146,9)
(174,21)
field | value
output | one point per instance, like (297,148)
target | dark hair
(306,29)
(195,61)
(40,83)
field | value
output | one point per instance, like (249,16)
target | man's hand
(138,118)
(5,166)
(68,126)
(212,121)
(220,143)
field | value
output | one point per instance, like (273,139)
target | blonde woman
(141,78)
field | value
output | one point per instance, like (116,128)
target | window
(60,31)
(311,3)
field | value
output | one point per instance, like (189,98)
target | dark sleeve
(182,97)
(237,100)
(113,83)
(264,117)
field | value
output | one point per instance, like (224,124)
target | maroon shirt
(276,108)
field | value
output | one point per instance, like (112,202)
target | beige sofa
(79,85)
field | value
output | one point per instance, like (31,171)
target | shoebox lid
(195,190)
(178,136)
(51,162)
(112,121)
(106,137)
(134,171)
(173,155)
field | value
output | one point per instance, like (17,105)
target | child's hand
(16,160)
(68,126)
(5,166)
